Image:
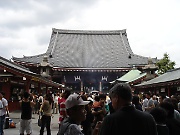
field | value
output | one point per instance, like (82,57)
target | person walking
(144,102)
(150,103)
(62,106)
(55,105)
(26,114)
(126,119)
(46,117)
(3,111)
(40,101)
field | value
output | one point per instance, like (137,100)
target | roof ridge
(171,70)
(13,58)
(67,31)
(9,61)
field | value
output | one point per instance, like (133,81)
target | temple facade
(86,60)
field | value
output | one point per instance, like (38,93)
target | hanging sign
(162,89)
(178,88)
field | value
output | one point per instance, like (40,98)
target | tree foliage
(165,64)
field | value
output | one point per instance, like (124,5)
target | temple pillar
(81,85)
(100,86)
(169,91)
(39,88)
(47,89)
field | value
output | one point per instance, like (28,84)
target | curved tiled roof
(171,75)
(132,75)
(88,49)
(13,67)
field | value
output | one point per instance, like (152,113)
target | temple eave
(91,69)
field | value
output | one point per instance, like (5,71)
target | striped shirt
(62,113)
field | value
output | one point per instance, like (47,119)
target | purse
(39,121)
(6,123)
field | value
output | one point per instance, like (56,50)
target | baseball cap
(73,100)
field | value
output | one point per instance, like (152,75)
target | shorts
(25,125)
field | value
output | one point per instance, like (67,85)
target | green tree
(165,64)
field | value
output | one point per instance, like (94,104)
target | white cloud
(152,26)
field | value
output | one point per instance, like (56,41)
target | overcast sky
(153,26)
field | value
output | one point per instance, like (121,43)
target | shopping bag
(6,123)
(39,121)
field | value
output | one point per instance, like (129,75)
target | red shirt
(62,110)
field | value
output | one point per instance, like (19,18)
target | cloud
(152,26)
(36,13)
(26,25)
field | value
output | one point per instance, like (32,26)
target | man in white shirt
(3,111)
(150,103)
(144,102)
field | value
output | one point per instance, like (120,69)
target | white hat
(73,100)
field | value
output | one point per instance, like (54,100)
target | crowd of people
(119,111)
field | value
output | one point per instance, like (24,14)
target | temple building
(86,60)
(15,79)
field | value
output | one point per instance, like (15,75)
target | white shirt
(3,104)
(41,97)
(56,99)
(144,103)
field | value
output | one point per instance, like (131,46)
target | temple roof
(168,77)
(88,49)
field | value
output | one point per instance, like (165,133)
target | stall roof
(24,72)
(131,76)
(169,76)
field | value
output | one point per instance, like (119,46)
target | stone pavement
(15,116)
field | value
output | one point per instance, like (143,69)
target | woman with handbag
(46,108)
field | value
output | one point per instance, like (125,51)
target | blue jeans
(2,118)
